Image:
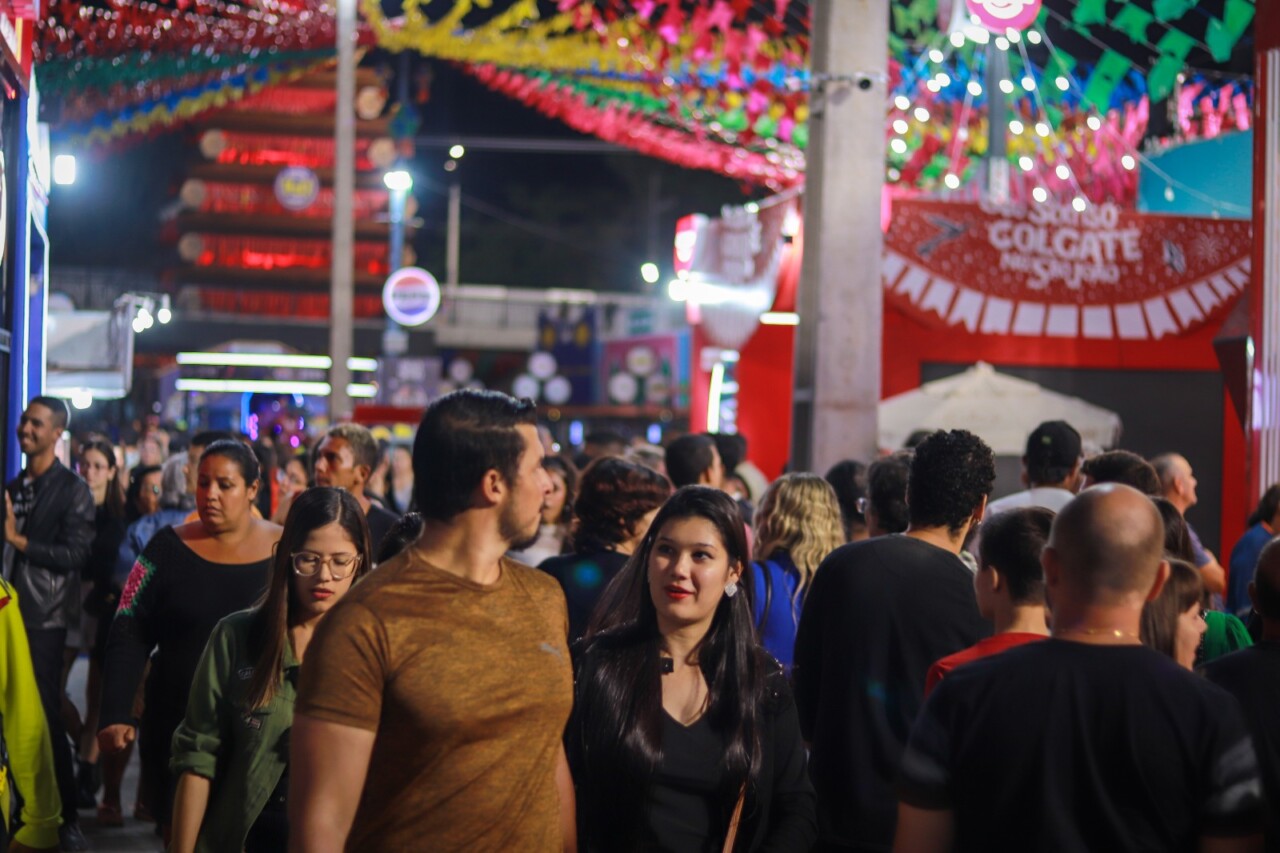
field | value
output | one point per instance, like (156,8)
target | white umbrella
(1001,409)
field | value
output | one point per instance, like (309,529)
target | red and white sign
(999,16)
(411,296)
(1050,271)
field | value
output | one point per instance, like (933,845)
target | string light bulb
(1042,128)
(1026,163)
(902,102)
(1029,83)
(1002,43)
(900,126)
(921,114)
(1040,194)
(1079,204)
(1094,123)
(899,146)
(1062,172)
(936,56)
(957,39)
(952,181)
(1006,86)
(1013,35)
(975,88)
(1128,162)
(1033,36)
(1016,128)
(1062,83)
(944,79)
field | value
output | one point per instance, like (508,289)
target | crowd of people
(482,643)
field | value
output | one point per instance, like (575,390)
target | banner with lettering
(1049,271)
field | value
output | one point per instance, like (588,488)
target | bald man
(1179,483)
(1088,740)
(1253,676)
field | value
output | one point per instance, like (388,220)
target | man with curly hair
(878,614)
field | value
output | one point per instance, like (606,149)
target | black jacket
(779,814)
(59,530)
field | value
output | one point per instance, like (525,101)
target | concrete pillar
(837,374)
(342,272)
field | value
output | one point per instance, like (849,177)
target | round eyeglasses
(306,564)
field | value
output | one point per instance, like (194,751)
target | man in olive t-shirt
(433,698)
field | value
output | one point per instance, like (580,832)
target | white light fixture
(64,170)
(1006,86)
(363,364)
(1016,127)
(975,88)
(894,174)
(1128,162)
(1033,36)
(398,180)
(255,359)
(457,151)
(714,394)
(1013,35)
(81,398)
(898,146)
(649,272)
(900,126)
(164,315)
(902,102)
(1040,194)
(1026,163)
(933,85)
(921,114)
(957,39)
(1062,83)
(1079,204)
(1029,83)
(362,390)
(944,79)
(1062,172)
(678,290)
(1042,128)
(1094,123)
(780,318)
(254,386)
(936,55)
(1002,43)
(952,181)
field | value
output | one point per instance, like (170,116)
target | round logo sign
(296,187)
(411,296)
(1001,15)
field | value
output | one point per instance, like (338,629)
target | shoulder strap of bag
(731,836)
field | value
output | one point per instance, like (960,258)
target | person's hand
(115,738)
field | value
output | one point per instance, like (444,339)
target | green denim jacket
(244,754)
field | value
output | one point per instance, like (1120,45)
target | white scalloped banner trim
(1174,313)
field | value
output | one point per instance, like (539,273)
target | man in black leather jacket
(48,530)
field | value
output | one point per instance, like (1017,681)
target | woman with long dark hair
(684,735)
(187,579)
(232,778)
(557,513)
(103,474)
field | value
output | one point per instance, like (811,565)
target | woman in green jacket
(231,752)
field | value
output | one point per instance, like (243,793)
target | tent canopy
(1001,409)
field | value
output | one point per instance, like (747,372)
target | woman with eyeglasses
(186,579)
(231,752)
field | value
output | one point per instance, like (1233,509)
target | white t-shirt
(1049,497)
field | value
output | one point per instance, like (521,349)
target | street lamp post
(395,340)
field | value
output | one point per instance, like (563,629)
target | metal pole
(453,237)
(997,70)
(837,369)
(342,284)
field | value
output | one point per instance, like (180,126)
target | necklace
(1101,632)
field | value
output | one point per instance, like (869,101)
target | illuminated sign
(411,296)
(296,188)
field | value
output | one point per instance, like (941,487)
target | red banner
(1051,271)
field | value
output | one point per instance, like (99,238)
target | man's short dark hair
(1122,466)
(688,457)
(1053,449)
(463,435)
(887,490)
(364,447)
(732,448)
(208,437)
(1011,544)
(604,438)
(950,475)
(61,416)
